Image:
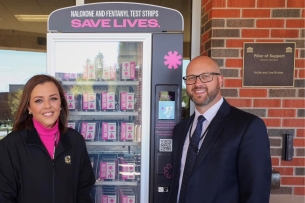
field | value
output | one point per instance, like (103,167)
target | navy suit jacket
(233,164)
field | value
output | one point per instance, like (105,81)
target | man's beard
(207,99)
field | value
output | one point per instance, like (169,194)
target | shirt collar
(210,113)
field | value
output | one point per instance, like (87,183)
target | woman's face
(45,104)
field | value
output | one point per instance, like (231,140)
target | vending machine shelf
(103,113)
(101,83)
(112,143)
(117,183)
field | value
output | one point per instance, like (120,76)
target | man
(232,161)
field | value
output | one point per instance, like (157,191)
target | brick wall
(225,26)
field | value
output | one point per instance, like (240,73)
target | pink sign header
(115,17)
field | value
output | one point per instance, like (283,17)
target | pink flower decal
(172,60)
(167,171)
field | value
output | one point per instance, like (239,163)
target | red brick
(204,53)
(204,2)
(269,40)
(253,93)
(281,113)
(270,23)
(271,4)
(300,63)
(295,103)
(232,82)
(275,161)
(219,3)
(241,3)
(208,6)
(256,33)
(295,3)
(267,103)
(299,191)
(210,15)
(294,162)
(303,13)
(292,180)
(294,122)
(284,170)
(301,73)
(297,23)
(300,132)
(240,102)
(225,13)
(256,13)
(285,33)
(272,122)
(299,142)
(235,63)
(237,42)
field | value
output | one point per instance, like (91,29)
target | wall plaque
(269,64)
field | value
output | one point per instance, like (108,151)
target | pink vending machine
(121,68)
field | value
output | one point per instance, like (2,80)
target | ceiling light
(32,18)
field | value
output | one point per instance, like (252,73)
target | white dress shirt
(209,115)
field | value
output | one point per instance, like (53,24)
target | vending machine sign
(115,17)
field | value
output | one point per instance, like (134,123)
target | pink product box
(85,72)
(108,198)
(127,197)
(109,73)
(89,101)
(127,169)
(108,131)
(91,71)
(107,170)
(71,125)
(126,101)
(88,130)
(70,100)
(70,76)
(128,70)
(108,101)
(127,131)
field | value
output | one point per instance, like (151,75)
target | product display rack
(105,99)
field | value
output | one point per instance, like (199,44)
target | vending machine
(120,65)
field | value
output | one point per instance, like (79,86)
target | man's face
(203,94)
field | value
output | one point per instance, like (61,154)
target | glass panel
(16,67)
(103,87)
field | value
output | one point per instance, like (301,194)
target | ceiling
(26,35)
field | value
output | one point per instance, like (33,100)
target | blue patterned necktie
(190,158)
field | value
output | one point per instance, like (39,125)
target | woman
(43,161)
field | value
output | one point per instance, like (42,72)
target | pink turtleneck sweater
(47,135)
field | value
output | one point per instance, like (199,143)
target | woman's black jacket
(29,175)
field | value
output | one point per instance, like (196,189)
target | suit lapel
(215,127)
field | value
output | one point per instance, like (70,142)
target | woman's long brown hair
(23,120)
